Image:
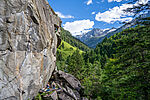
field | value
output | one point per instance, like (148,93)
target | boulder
(64,96)
(63,86)
(74,82)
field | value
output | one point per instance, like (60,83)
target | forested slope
(67,47)
(67,37)
(118,68)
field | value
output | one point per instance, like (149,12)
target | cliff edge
(29,32)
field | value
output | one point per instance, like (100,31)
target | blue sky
(80,16)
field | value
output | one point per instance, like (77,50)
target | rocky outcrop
(28,39)
(63,86)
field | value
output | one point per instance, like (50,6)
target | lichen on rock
(28,43)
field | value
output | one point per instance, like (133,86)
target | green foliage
(125,61)
(67,37)
(63,51)
(128,74)
(68,46)
(75,64)
(117,69)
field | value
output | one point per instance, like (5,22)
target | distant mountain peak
(96,35)
(93,37)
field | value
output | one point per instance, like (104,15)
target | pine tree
(75,64)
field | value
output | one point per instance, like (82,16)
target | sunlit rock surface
(28,39)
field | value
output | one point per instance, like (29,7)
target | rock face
(28,39)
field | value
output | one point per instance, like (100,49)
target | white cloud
(139,1)
(89,2)
(64,16)
(78,27)
(93,13)
(115,14)
(142,1)
(114,0)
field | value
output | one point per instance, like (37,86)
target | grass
(66,49)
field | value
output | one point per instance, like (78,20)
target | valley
(117,63)
(74,50)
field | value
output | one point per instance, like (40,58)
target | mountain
(123,60)
(68,46)
(118,68)
(67,37)
(93,37)
(96,35)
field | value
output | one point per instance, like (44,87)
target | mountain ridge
(93,37)
(96,35)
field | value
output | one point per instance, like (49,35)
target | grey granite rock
(64,96)
(74,82)
(28,39)
(67,87)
